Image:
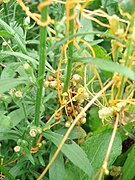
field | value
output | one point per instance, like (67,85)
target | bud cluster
(13,92)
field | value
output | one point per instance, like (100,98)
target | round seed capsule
(67,124)
(53,84)
(50,78)
(85,95)
(83,120)
(77,78)
(46,84)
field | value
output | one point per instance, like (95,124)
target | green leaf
(6,172)
(57,169)
(77,132)
(100,52)
(86,26)
(93,119)
(28,155)
(9,83)
(18,168)
(20,55)
(24,56)
(128,170)
(111,6)
(5,33)
(5,121)
(17,38)
(18,115)
(108,66)
(96,147)
(41,160)
(48,97)
(9,71)
(6,134)
(72,151)
(74,173)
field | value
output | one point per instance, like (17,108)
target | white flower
(27,21)
(33,132)
(18,94)
(17,148)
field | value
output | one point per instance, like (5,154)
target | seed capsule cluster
(50,82)
(76,94)
(106,112)
(73,111)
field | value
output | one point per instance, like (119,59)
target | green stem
(128,54)
(41,70)
(70,54)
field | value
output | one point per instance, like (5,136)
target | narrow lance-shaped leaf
(128,170)
(7,84)
(108,66)
(6,134)
(6,172)
(57,169)
(5,33)
(15,35)
(20,55)
(72,151)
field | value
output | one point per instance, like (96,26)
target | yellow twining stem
(34,16)
(71,127)
(44,4)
